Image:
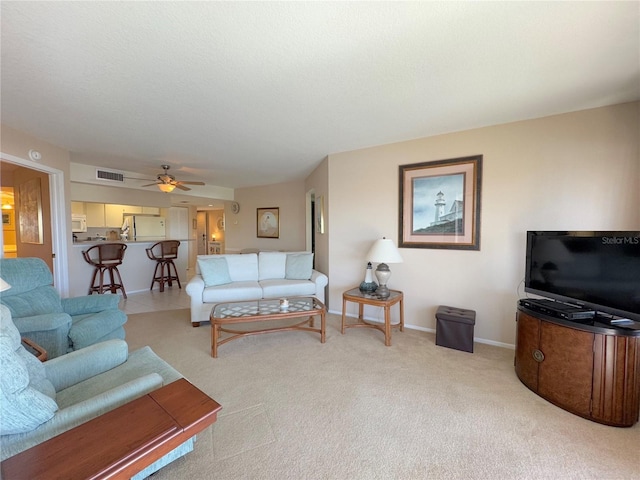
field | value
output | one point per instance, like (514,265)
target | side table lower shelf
(121,442)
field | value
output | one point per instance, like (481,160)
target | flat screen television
(597,270)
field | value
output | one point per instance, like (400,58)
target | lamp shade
(384,251)
(166,187)
(4,285)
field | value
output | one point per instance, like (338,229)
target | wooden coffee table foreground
(362,299)
(231,313)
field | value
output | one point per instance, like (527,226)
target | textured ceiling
(243,93)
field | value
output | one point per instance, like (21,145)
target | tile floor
(172,298)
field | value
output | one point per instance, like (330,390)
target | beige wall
(318,184)
(574,171)
(240,229)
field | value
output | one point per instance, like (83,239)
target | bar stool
(164,253)
(106,257)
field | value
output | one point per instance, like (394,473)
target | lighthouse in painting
(440,203)
(441,216)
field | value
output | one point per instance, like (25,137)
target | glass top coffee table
(232,313)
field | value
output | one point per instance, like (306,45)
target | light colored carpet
(351,408)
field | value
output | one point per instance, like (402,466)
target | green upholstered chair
(41,400)
(59,325)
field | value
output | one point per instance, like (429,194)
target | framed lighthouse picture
(440,204)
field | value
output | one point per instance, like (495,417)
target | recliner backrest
(31,292)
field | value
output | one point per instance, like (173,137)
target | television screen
(598,270)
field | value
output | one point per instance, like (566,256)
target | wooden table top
(122,442)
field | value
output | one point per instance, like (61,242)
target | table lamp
(383,251)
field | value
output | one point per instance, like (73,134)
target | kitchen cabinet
(588,370)
(77,208)
(115,214)
(109,215)
(95,215)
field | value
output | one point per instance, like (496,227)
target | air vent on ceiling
(111,176)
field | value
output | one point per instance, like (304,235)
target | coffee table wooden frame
(362,299)
(218,323)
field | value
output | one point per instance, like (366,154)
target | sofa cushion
(214,271)
(232,292)
(243,268)
(299,266)
(271,265)
(278,288)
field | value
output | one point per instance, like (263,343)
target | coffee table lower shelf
(233,313)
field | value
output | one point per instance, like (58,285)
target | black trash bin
(454,328)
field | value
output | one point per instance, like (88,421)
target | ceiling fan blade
(149,184)
(190,183)
(181,187)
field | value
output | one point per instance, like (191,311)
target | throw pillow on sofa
(299,266)
(214,271)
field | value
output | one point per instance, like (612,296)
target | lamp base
(382,291)
(382,274)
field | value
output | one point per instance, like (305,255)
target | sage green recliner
(59,325)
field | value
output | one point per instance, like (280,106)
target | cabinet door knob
(538,356)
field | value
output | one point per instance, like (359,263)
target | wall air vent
(111,176)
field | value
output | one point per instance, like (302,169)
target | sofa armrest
(195,288)
(321,281)
(90,304)
(85,363)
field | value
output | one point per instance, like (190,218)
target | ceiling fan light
(166,187)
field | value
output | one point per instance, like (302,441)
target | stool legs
(163,277)
(114,277)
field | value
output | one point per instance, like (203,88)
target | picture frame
(30,212)
(268,222)
(319,207)
(439,204)
(8,219)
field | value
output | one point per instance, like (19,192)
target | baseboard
(431,330)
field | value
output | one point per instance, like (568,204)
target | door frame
(59,237)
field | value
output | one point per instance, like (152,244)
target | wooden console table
(121,442)
(589,370)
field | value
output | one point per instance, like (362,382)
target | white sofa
(251,277)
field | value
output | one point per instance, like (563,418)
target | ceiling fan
(167,183)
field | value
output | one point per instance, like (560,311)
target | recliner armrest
(90,304)
(85,363)
(42,323)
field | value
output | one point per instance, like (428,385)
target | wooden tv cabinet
(591,370)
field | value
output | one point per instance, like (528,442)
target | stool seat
(164,253)
(106,257)
(454,328)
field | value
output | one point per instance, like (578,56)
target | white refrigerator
(143,228)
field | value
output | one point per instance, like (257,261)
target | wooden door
(566,373)
(33,215)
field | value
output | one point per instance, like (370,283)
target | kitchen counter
(136,269)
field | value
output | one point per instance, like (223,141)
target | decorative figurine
(368,286)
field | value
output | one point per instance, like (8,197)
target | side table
(362,299)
